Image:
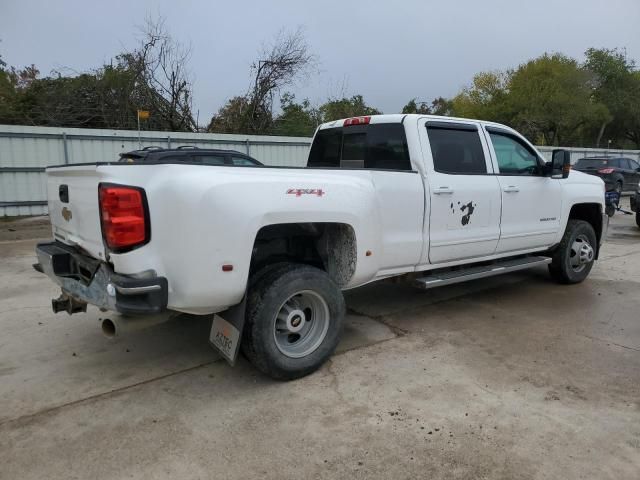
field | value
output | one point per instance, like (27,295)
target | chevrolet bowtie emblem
(66,214)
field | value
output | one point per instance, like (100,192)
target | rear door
(464,194)
(381,148)
(531,202)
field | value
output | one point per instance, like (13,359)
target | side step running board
(473,273)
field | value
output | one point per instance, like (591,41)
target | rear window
(378,146)
(595,163)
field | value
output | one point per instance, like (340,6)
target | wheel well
(328,246)
(589,212)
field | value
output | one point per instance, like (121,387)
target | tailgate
(72,194)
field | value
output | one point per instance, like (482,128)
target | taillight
(123,213)
(356,121)
(606,170)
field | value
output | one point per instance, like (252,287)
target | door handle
(511,189)
(443,190)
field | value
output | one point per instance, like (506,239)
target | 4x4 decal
(298,192)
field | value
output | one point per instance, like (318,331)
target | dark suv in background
(619,173)
(189,154)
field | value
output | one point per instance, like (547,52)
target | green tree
(413,106)
(7,94)
(550,100)
(296,119)
(438,106)
(346,107)
(615,84)
(442,106)
(485,99)
(234,117)
(151,77)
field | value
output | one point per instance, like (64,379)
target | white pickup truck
(270,249)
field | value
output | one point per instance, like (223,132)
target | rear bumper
(88,280)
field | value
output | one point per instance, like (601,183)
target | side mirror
(560,163)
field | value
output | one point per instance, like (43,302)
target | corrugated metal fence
(25,151)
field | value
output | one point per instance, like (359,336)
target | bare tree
(162,79)
(281,64)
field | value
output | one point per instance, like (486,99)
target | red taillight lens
(356,121)
(123,216)
(606,170)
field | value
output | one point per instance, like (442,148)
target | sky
(388,51)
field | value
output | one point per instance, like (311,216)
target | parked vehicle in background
(619,173)
(269,250)
(611,201)
(635,204)
(191,155)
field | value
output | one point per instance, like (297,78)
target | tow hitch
(65,303)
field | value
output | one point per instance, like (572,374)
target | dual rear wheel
(295,315)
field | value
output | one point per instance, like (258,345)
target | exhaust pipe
(120,325)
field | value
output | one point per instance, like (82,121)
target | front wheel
(573,259)
(294,319)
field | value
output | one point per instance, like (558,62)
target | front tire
(573,259)
(295,315)
(638,219)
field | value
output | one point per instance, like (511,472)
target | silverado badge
(66,214)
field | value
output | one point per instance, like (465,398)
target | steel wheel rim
(581,253)
(301,324)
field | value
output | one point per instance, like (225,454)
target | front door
(531,202)
(464,194)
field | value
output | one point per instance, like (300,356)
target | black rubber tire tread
(269,288)
(559,268)
(638,219)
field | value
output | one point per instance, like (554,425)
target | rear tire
(295,315)
(573,259)
(638,219)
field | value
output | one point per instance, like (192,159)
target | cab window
(381,146)
(514,156)
(456,149)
